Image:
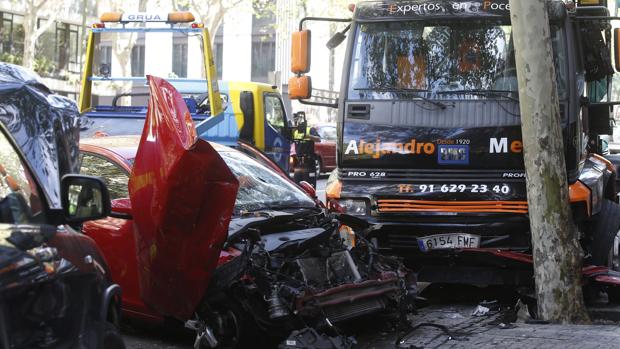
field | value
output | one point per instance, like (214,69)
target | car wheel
(318,165)
(112,338)
(606,242)
(233,327)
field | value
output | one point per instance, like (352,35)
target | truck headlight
(353,207)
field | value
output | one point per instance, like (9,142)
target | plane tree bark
(556,251)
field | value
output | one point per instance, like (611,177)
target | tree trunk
(556,251)
(30,27)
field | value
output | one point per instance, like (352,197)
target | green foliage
(44,66)
(11,58)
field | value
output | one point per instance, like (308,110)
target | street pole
(556,251)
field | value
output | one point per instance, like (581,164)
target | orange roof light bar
(172,17)
(111,17)
(180,17)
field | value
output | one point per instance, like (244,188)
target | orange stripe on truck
(405,206)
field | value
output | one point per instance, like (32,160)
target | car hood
(44,126)
(183,196)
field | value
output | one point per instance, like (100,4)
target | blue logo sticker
(453,155)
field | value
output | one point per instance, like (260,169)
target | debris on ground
(480,311)
(310,338)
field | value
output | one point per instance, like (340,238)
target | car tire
(112,338)
(605,248)
(318,166)
(241,323)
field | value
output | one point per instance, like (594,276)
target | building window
(58,49)
(263,44)
(47,48)
(67,52)
(218,51)
(137,60)
(219,59)
(179,56)
(12,36)
(106,55)
(263,59)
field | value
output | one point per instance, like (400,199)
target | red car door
(183,196)
(115,236)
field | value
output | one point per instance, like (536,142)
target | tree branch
(51,20)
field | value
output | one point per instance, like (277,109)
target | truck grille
(410,206)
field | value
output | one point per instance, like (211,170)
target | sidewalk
(486,332)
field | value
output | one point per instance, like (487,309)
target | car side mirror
(121,208)
(84,198)
(308,188)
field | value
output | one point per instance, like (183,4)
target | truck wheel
(318,165)
(605,230)
(112,338)
(606,242)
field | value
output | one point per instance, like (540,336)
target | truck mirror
(617,48)
(338,38)
(300,87)
(300,52)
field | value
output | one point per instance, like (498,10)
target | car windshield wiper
(291,207)
(413,91)
(486,93)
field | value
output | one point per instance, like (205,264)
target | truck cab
(113,96)
(429,133)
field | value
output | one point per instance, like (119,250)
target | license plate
(448,242)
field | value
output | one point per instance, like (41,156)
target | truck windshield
(442,60)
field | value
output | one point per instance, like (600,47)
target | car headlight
(347,235)
(353,207)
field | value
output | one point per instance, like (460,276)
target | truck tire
(112,338)
(605,247)
(606,230)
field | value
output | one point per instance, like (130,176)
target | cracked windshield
(260,188)
(438,60)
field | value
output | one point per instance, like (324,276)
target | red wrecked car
(205,234)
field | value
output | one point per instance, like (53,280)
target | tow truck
(113,94)
(429,137)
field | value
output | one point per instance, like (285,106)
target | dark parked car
(205,234)
(55,286)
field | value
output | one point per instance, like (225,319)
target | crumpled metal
(44,125)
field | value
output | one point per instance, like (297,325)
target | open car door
(183,195)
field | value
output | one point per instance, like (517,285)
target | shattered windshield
(260,188)
(439,60)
